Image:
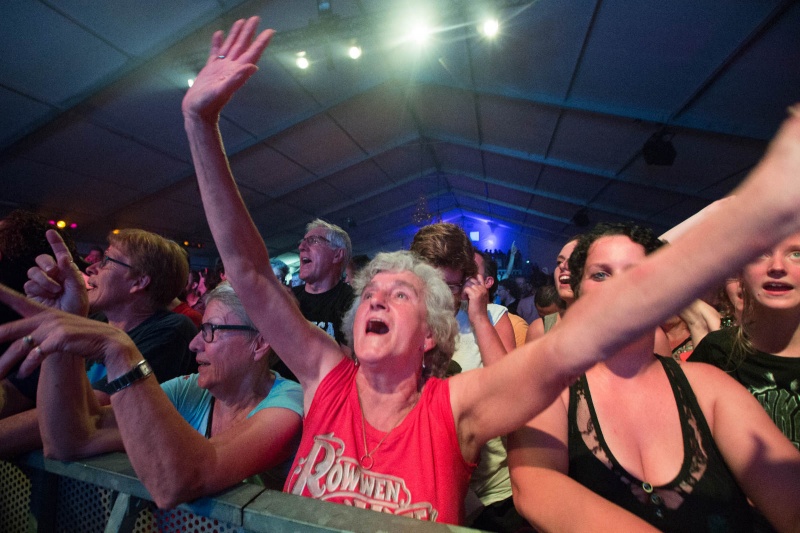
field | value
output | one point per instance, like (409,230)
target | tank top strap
(693,422)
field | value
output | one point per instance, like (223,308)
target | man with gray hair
(325,251)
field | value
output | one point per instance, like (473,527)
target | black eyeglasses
(208,329)
(104,261)
(311,240)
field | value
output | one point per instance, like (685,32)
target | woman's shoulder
(703,371)
(711,384)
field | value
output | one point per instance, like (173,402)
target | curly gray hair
(438,301)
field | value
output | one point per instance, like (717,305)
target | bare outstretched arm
(305,349)
(763,211)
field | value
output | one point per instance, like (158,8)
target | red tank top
(418,470)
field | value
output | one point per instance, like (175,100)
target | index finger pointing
(60,250)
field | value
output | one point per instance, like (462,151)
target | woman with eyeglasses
(191,436)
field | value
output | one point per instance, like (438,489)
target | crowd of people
(419,383)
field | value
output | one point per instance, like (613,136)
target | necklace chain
(367,461)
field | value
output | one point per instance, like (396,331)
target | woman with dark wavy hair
(639,436)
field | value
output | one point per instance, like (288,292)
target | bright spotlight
(190,82)
(61,224)
(490,27)
(354,52)
(302,60)
(420,33)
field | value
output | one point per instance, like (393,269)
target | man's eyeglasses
(207,329)
(312,240)
(105,260)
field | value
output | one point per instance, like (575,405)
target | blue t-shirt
(194,403)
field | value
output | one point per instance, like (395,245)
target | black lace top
(704,496)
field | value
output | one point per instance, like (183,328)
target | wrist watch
(140,371)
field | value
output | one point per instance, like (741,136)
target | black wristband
(140,371)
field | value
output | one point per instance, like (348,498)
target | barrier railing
(103,494)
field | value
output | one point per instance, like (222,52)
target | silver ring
(220,57)
(38,351)
(28,340)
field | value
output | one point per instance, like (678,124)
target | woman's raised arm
(305,349)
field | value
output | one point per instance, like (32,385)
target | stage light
(354,52)
(73,226)
(190,82)
(420,33)
(302,61)
(61,224)
(490,27)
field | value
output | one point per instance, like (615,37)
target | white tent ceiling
(524,131)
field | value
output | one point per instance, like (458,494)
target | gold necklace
(366,461)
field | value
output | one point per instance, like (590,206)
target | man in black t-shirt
(325,251)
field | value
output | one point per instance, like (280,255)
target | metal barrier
(103,494)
